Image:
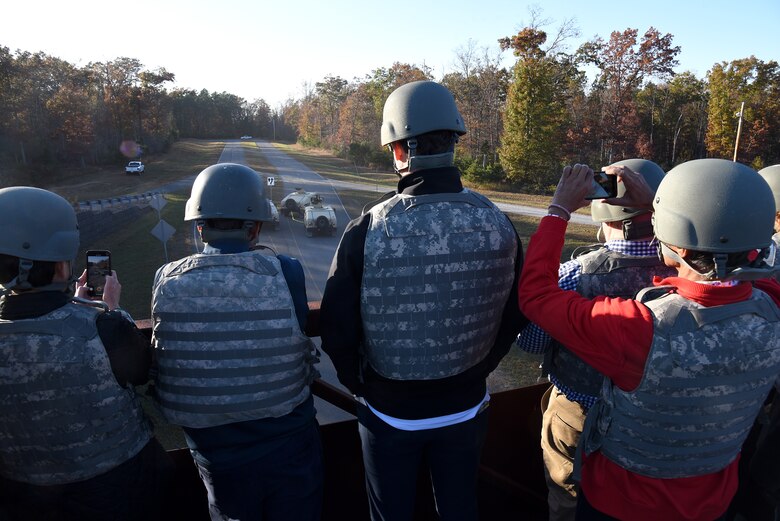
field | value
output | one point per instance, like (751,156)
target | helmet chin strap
(20,282)
(719,259)
(666,251)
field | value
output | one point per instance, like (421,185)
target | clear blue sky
(270,50)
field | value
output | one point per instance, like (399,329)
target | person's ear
(399,152)
(61,271)
(254,231)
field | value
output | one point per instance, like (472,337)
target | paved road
(315,253)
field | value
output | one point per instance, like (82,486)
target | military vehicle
(295,202)
(318,218)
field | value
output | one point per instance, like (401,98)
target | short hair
(703,262)
(436,142)
(41,273)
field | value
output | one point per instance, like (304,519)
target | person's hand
(81,286)
(638,193)
(112,290)
(575,183)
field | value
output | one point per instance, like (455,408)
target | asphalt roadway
(316,253)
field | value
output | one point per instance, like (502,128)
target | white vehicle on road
(296,201)
(134,167)
(319,219)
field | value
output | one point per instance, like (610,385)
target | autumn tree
(536,115)
(360,116)
(479,85)
(756,83)
(624,63)
(674,117)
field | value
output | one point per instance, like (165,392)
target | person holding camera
(419,307)
(74,441)
(771,175)
(688,362)
(619,267)
(234,366)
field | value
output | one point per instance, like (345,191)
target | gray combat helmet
(771,175)
(653,174)
(37,225)
(417,108)
(228,191)
(714,205)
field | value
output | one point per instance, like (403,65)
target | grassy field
(186,158)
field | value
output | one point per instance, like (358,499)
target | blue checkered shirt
(535,340)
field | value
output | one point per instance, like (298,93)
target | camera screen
(98,266)
(604,186)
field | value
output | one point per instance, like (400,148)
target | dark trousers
(131,491)
(283,485)
(392,458)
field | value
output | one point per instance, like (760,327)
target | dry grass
(186,158)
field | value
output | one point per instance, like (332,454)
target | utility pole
(739,130)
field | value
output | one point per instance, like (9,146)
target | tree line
(523,123)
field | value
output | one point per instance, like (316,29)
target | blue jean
(392,458)
(283,485)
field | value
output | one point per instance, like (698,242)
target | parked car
(296,201)
(134,167)
(318,218)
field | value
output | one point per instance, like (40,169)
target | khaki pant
(562,424)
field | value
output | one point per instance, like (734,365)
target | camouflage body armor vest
(228,342)
(64,417)
(604,272)
(437,273)
(707,375)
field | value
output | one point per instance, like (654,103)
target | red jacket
(614,336)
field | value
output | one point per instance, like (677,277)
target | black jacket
(342,330)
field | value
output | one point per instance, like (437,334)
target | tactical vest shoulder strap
(254,262)
(652,293)
(698,317)
(605,260)
(584,250)
(368,206)
(73,320)
(402,202)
